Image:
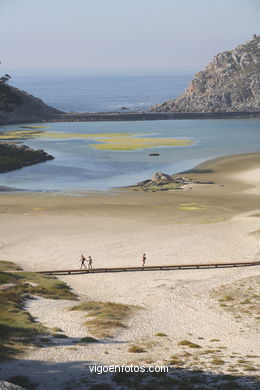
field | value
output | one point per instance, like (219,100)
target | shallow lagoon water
(78,166)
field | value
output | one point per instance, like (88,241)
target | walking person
(90,262)
(82,259)
(144,259)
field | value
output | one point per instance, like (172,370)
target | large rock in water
(231,82)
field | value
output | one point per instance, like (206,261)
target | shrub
(136,349)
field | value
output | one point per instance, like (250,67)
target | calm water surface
(80,167)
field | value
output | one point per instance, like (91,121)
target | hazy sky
(126,36)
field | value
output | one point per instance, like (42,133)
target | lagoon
(87,156)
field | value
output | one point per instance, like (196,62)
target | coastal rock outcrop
(13,156)
(231,82)
(161,178)
(162,182)
(24,107)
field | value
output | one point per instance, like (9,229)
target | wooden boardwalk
(150,268)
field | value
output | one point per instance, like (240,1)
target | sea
(78,166)
(103,93)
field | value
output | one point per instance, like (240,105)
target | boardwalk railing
(149,268)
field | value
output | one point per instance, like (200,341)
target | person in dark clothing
(90,262)
(144,259)
(82,259)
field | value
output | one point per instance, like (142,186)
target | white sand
(251,177)
(178,303)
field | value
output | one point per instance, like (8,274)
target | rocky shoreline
(13,156)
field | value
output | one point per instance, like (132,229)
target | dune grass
(241,299)
(18,329)
(188,343)
(45,286)
(136,349)
(161,334)
(105,317)
(87,340)
(17,326)
(8,266)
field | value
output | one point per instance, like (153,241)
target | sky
(120,36)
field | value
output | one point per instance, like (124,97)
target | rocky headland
(230,83)
(13,156)
(17,106)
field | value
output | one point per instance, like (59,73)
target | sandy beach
(202,223)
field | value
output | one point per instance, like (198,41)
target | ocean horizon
(103,93)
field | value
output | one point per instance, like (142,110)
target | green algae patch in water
(20,134)
(105,141)
(103,136)
(35,132)
(33,127)
(134,143)
(111,135)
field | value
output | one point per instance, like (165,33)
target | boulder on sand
(160,178)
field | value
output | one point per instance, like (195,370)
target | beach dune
(208,223)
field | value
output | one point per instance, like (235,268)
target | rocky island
(230,83)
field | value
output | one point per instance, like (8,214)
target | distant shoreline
(128,116)
(142,116)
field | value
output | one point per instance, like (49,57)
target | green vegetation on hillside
(8,98)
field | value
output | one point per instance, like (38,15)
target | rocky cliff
(17,106)
(231,82)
